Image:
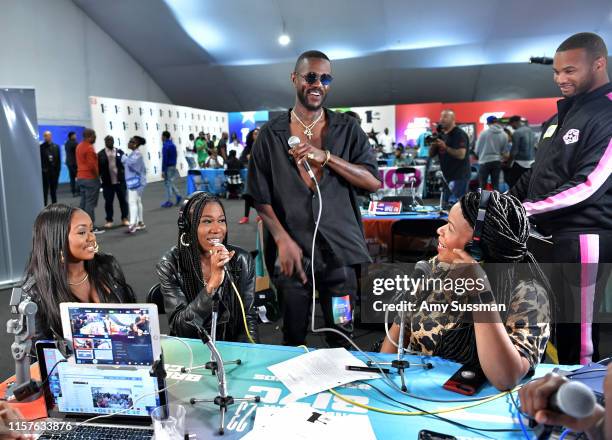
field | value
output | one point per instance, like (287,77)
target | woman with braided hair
(503,324)
(192,275)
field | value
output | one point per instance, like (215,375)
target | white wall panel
(122,119)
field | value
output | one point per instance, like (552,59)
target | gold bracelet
(327,157)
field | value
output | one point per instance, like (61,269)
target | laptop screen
(104,336)
(76,390)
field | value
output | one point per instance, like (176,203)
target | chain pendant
(308,133)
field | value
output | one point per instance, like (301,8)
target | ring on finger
(310,156)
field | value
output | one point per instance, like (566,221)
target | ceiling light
(284,40)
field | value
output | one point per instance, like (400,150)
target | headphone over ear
(473,247)
(183,218)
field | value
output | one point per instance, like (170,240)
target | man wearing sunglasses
(338,152)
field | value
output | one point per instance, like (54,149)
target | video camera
(439,134)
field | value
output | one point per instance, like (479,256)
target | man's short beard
(302,98)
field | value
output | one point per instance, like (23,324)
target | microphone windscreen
(293,141)
(574,399)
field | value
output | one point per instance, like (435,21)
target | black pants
(50,186)
(514,174)
(297,302)
(492,169)
(109,191)
(578,277)
(248,204)
(72,171)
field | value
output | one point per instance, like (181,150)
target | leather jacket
(179,309)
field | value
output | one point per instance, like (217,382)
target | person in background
(235,145)
(192,273)
(522,153)
(490,147)
(535,396)
(51,166)
(387,141)
(88,175)
(201,147)
(245,158)
(451,147)
(399,159)
(169,172)
(233,178)
(65,265)
(70,149)
(190,153)
(222,146)
(212,143)
(233,163)
(113,181)
(214,160)
(136,180)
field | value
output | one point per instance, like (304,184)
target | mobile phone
(467,380)
(430,435)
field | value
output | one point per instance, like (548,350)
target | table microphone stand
(400,363)
(23,326)
(212,364)
(222,400)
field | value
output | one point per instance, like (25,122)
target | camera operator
(451,146)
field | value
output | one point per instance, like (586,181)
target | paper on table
(302,422)
(319,370)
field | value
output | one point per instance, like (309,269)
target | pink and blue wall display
(243,122)
(60,136)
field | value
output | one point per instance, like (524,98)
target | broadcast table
(254,379)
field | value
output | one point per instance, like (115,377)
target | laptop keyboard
(91,432)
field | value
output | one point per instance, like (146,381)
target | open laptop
(75,393)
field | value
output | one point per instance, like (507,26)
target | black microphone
(295,141)
(574,399)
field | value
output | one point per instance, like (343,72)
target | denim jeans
(457,188)
(170,183)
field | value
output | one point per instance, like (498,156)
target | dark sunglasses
(312,78)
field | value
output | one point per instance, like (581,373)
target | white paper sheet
(302,422)
(318,371)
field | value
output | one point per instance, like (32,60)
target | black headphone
(473,247)
(183,217)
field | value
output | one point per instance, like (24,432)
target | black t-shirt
(274,180)
(455,169)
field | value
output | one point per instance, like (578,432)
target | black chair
(156,297)
(418,229)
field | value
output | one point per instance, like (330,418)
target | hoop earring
(182,242)
(96,248)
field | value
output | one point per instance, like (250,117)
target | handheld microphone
(574,399)
(295,141)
